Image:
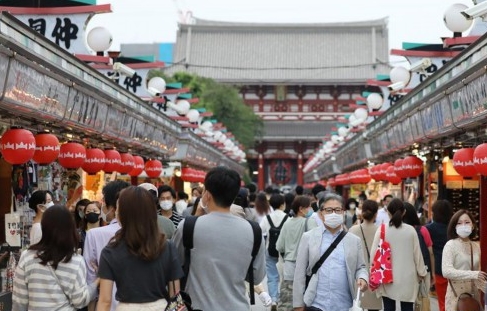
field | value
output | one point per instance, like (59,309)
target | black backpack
(273,236)
(424,248)
(188,231)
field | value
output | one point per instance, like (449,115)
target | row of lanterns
(19,146)
(469,162)
(192,175)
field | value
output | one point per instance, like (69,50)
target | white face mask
(47,205)
(181,205)
(464,231)
(333,220)
(352,206)
(165,204)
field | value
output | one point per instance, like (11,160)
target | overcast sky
(419,21)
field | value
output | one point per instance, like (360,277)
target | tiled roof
(338,53)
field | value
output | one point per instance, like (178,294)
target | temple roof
(235,52)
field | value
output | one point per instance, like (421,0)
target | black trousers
(312,309)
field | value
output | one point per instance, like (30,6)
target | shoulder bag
(381,267)
(467,301)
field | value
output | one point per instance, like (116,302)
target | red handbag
(381,266)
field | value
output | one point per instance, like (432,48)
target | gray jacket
(309,254)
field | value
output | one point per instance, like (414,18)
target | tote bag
(381,266)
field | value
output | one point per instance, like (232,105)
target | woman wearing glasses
(334,284)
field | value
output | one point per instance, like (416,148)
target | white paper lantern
(222,139)
(182,107)
(99,39)
(400,74)
(206,126)
(217,135)
(454,20)
(343,131)
(374,101)
(361,114)
(193,115)
(157,83)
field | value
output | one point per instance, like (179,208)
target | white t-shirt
(35,233)
(382,217)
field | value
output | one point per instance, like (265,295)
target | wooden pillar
(260,176)
(300,179)
(483,221)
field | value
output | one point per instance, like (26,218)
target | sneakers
(274,307)
(265,298)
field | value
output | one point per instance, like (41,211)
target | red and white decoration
(72,155)
(480,159)
(47,148)
(412,166)
(112,161)
(138,168)
(126,163)
(18,146)
(153,168)
(463,162)
(95,161)
(392,176)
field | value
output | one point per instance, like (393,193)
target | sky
(155,21)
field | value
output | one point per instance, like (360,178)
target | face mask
(165,204)
(352,206)
(47,205)
(309,213)
(92,218)
(464,231)
(333,220)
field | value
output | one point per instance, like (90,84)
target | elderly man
(333,286)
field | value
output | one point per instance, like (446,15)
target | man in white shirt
(382,215)
(97,238)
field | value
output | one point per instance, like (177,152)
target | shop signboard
(34,93)
(86,112)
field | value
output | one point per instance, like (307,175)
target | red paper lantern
(412,166)
(126,163)
(47,148)
(95,161)
(18,146)
(392,176)
(112,161)
(153,168)
(138,168)
(362,176)
(463,162)
(399,169)
(331,181)
(383,171)
(373,172)
(480,159)
(72,155)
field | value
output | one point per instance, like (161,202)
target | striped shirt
(175,218)
(36,288)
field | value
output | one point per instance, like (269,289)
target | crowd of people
(142,246)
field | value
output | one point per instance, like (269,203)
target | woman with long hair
(458,254)
(39,201)
(408,267)
(442,213)
(138,259)
(50,275)
(91,219)
(366,232)
(262,206)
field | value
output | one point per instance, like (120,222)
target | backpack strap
(282,222)
(255,250)
(270,221)
(188,232)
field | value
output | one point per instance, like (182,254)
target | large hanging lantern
(399,169)
(95,161)
(72,155)
(392,176)
(383,171)
(153,168)
(463,162)
(47,148)
(18,146)
(126,163)
(480,159)
(412,166)
(138,168)
(112,161)
(363,176)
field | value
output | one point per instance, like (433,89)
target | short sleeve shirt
(137,280)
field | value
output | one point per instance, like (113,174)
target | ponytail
(396,209)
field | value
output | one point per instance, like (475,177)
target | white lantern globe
(352,120)
(217,135)
(361,114)
(374,101)
(228,143)
(206,126)
(454,20)
(400,74)
(222,139)
(193,115)
(182,107)
(157,83)
(343,131)
(329,144)
(335,139)
(99,39)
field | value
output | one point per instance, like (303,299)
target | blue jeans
(272,277)
(390,305)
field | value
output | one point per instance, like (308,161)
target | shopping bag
(356,302)
(381,266)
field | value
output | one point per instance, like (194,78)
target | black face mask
(92,217)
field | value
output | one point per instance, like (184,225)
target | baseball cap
(149,186)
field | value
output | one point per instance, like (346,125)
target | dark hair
(276,200)
(411,216)
(317,189)
(452,226)
(59,236)
(182,195)
(252,188)
(369,209)
(252,197)
(139,224)
(349,201)
(111,190)
(77,218)
(195,205)
(242,198)
(268,189)
(223,184)
(37,197)
(442,211)
(166,188)
(261,204)
(387,196)
(362,196)
(300,201)
(288,200)
(299,190)
(197,188)
(84,223)
(396,209)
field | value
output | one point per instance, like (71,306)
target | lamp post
(99,39)
(455,21)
